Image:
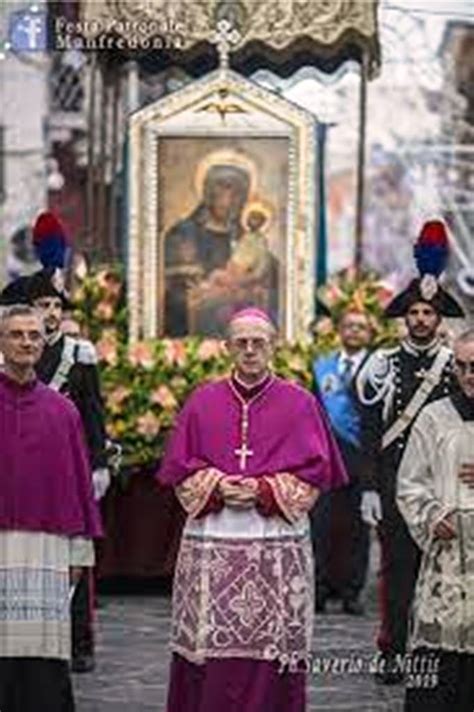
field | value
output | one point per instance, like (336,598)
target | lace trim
(194,493)
(249,599)
(294,496)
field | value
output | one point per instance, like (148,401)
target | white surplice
(428,488)
(35,591)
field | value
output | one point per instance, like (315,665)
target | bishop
(242,599)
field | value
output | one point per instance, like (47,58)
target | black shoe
(83,663)
(353,607)
(321,594)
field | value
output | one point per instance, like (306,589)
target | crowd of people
(280,485)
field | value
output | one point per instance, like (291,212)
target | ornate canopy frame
(279,34)
(223,105)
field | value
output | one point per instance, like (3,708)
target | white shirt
(355,359)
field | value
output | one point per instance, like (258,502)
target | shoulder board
(86,353)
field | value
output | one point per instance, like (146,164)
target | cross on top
(224,37)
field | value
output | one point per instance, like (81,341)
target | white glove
(371,508)
(101,482)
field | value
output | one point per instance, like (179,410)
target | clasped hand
(445,529)
(238,491)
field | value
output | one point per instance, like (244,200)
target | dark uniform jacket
(70,366)
(385,386)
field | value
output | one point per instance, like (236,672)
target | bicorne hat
(431,253)
(51,247)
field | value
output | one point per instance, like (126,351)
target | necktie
(346,371)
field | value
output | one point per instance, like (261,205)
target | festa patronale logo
(28,30)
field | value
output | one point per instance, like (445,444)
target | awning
(281,35)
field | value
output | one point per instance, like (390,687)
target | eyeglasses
(464,367)
(17,335)
(356,327)
(257,344)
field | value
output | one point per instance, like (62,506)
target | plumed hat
(431,253)
(51,247)
(47,282)
(49,241)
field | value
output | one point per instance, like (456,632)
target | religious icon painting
(222,209)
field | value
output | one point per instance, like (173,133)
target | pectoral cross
(243,453)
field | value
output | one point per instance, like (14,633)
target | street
(133,660)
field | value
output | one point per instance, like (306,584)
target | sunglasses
(464,367)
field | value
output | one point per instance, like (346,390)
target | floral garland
(144,384)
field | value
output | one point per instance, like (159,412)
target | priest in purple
(48,519)
(247,458)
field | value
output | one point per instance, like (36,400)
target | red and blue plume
(432,248)
(49,241)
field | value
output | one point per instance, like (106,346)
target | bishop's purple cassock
(243,590)
(48,518)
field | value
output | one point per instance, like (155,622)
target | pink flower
(174,352)
(385,293)
(141,354)
(350,274)
(164,397)
(101,277)
(296,363)
(208,349)
(324,327)
(116,397)
(333,294)
(104,311)
(148,425)
(107,347)
(109,282)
